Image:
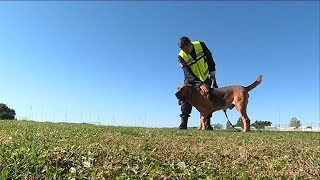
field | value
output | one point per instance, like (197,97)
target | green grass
(35,150)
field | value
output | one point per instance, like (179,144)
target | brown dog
(219,99)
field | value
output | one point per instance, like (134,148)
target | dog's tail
(254,84)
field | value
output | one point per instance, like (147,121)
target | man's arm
(211,64)
(208,54)
(188,74)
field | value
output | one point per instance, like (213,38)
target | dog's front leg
(202,123)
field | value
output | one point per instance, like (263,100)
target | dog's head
(184,93)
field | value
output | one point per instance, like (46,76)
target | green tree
(228,125)
(6,113)
(239,123)
(218,126)
(261,124)
(294,122)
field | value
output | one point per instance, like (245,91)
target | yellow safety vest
(198,66)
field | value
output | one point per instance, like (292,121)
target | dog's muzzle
(178,95)
(180,98)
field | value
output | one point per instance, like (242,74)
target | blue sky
(116,62)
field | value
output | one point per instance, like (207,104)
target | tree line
(6,112)
(294,122)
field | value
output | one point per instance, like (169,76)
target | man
(198,66)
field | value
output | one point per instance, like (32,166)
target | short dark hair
(183,42)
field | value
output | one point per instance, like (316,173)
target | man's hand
(204,87)
(212,75)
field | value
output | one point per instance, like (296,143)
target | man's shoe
(184,122)
(207,125)
(182,126)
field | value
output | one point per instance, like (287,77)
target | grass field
(34,150)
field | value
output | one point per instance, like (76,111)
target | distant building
(304,128)
(291,128)
(238,128)
(270,128)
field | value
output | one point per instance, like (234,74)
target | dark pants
(186,110)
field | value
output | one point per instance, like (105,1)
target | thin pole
(30,113)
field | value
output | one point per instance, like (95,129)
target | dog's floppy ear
(189,90)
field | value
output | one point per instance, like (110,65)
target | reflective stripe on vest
(198,66)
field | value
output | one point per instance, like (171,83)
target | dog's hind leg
(242,109)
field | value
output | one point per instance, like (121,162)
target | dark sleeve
(188,74)
(208,54)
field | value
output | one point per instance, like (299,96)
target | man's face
(188,48)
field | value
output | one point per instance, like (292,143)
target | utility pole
(66,116)
(54,113)
(41,112)
(113,119)
(145,119)
(135,121)
(30,113)
(279,120)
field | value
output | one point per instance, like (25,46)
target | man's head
(185,44)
